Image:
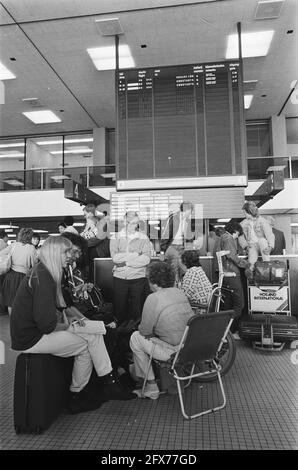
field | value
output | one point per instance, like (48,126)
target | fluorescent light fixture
(9,226)
(153,222)
(247,101)
(40,231)
(79,224)
(104,58)
(17,144)
(294,224)
(59,152)
(108,175)
(9,230)
(60,178)
(55,234)
(11,155)
(5,74)
(223,220)
(42,117)
(66,141)
(11,235)
(13,182)
(253,44)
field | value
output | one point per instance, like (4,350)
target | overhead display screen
(181,126)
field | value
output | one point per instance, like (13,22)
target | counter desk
(103,276)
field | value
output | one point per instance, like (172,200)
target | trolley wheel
(226,359)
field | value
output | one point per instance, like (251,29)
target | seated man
(164,317)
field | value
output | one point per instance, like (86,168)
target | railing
(53,178)
(104,176)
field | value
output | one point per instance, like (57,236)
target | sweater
(34,310)
(130,255)
(165,315)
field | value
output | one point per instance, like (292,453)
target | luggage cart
(269,323)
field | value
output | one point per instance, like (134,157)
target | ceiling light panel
(42,117)
(268,9)
(253,44)
(109,27)
(104,57)
(247,101)
(5,74)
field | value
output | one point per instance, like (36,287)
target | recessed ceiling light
(13,182)
(247,101)
(5,74)
(253,44)
(42,117)
(59,152)
(66,141)
(11,155)
(104,57)
(16,144)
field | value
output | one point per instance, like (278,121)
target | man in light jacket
(130,251)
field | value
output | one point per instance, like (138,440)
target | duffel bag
(262,273)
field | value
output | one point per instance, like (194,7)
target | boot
(113,389)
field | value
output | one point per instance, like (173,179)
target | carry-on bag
(250,327)
(41,389)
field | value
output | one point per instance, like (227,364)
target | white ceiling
(50,40)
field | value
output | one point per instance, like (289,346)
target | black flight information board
(181,126)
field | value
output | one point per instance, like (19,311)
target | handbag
(5,261)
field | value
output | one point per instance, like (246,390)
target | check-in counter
(104,278)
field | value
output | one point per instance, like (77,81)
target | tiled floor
(261,412)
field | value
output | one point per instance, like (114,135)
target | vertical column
(279,136)
(99,146)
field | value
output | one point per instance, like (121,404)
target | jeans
(256,248)
(234,300)
(129,297)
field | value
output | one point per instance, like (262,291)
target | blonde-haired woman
(23,258)
(34,326)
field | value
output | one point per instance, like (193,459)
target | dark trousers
(234,300)
(129,296)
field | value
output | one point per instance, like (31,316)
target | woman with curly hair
(164,318)
(23,257)
(195,284)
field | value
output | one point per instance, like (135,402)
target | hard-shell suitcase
(41,389)
(269,331)
(285,327)
(250,327)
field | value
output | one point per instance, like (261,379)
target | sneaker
(151,391)
(236,336)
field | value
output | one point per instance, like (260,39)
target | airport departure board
(181,126)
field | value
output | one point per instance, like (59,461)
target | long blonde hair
(50,256)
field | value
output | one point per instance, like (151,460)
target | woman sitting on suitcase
(34,327)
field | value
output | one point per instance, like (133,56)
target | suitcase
(41,389)
(268,331)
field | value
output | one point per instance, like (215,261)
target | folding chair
(202,339)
